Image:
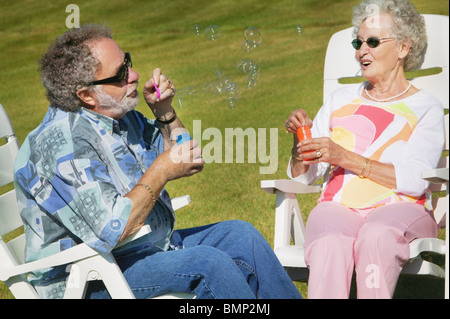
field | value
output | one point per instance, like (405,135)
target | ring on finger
(318,154)
(288,123)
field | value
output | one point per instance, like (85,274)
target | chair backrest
(341,68)
(9,212)
(440,190)
(11,253)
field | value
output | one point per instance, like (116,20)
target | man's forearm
(170,131)
(143,197)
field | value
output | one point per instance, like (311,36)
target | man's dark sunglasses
(121,75)
(372,42)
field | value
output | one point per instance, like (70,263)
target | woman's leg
(331,230)
(382,247)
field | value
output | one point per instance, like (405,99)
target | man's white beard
(107,102)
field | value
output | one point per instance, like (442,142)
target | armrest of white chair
(78,252)
(73,254)
(421,245)
(438,175)
(181,201)
(177,203)
(144,230)
(289,186)
(288,219)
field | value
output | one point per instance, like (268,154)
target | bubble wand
(158,93)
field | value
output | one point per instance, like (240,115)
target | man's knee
(211,259)
(239,227)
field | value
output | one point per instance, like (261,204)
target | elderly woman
(377,137)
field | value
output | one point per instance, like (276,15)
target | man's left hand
(158,92)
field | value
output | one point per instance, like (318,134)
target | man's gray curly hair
(409,25)
(70,65)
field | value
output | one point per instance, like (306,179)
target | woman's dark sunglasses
(371,42)
(121,75)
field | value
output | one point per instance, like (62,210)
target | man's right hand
(181,160)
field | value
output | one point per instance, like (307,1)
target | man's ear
(87,97)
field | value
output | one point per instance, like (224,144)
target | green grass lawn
(160,34)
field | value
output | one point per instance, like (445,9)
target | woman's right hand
(297,119)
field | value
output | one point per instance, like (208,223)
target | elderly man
(94,171)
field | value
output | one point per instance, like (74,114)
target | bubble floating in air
(212,32)
(247,65)
(299,29)
(253,36)
(252,39)
(252,78)
(247,46)
(226,87)
(232,92)
(197,28)
(251,68)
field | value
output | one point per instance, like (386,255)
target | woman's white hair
(409,25)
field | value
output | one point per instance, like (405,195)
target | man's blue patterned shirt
(71,175)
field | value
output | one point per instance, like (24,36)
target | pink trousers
(374,243)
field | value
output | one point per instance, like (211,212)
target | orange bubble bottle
(304,133)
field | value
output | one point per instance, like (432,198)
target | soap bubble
(247,46)
(252,39)
(231,89)
(247,65)
(219,74)
(214,88)
(224,86)
(190,90)
(212,32)
(252,69)
(197,29)
(299,29)
(252,78)
(232,103)
(253,36)
(228,88)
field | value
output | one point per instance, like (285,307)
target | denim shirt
(71,175)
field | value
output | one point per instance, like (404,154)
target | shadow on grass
(414,287)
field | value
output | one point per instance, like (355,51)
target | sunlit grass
(159,34)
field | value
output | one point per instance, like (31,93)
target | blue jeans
(227,260)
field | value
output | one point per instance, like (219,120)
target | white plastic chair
(340,64)
(87,264)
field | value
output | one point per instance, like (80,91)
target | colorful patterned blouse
(408,134)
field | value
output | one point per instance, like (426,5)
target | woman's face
(379,63)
